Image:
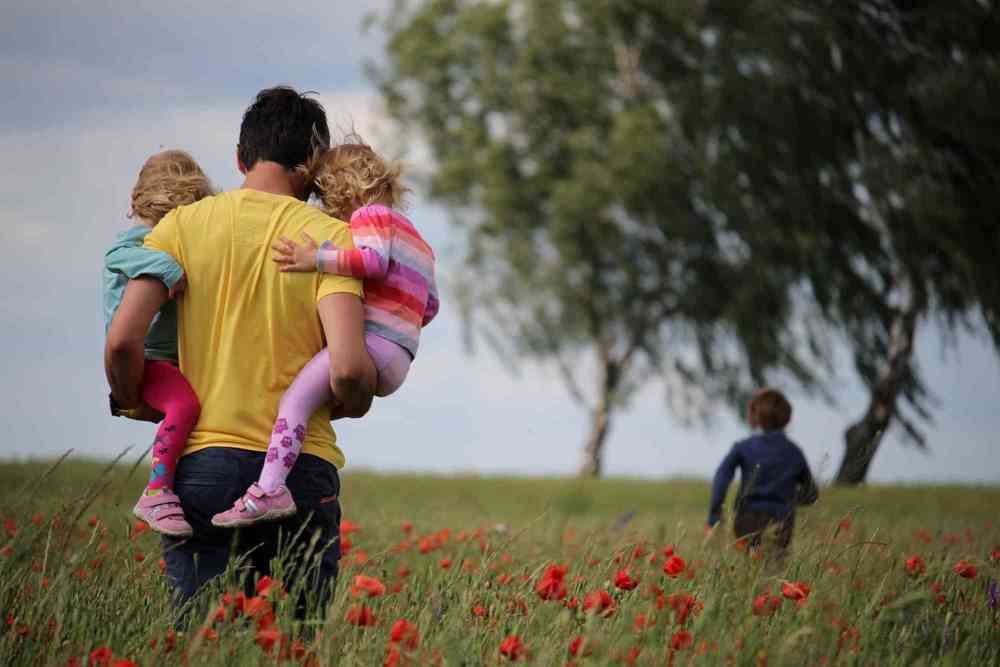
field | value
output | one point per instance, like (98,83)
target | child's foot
(257,505)
(163,513)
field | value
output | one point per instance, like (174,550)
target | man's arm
(123,350)
(352,374)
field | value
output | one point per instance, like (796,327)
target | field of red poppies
(467,571)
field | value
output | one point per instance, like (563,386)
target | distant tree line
(707,193)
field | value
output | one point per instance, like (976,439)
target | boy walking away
(774,475)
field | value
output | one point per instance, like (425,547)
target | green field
(73,579)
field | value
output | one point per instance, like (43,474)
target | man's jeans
(210,481)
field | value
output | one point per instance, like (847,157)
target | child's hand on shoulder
(296,257)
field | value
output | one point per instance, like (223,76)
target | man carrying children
(244,331)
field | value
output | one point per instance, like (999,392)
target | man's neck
(269,177)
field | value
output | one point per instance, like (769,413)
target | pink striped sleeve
(370,258)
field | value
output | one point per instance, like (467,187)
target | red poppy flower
(405,633)
(267,638)
(681,640)
(965,569)
(624,581)
(256,607)
(765,605)
(124,663)
(642,622)
(101,657)
(572,603)
(552,585)
(265,585)
(668,551)
(367,585)
(347,527)
(392,657)
(682,604)
(995,555)
(915,565)
(674,566)
(479,611)
(444,563)
(138,528)
(512,648)
(407,527)
(580,647)
(599,602)
(360,615)
(795,590)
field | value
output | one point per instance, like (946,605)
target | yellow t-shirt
(245,329)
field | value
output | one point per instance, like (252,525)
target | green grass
(73,579)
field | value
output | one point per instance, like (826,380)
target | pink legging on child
(165,388)
(309,391)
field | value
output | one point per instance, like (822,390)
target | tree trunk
(862,439)
(600,420)
(593,452)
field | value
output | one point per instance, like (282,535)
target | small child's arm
(135,261)
(720,484)
(369,260)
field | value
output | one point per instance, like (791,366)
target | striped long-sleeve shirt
(397,267)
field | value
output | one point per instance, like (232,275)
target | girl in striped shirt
(397,267)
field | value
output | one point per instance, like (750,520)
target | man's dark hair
(283,126)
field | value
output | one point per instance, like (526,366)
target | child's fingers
(309,240)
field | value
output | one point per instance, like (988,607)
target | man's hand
(295,257)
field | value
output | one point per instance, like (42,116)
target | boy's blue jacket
(774,477)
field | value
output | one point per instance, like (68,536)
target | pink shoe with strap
(257,505)
(163,513)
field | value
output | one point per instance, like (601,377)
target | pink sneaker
(257,505)
(163,513)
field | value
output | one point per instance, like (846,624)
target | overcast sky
(91,89)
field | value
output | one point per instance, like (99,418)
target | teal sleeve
(135,261)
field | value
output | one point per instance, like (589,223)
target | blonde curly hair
(351,175)
(167,180)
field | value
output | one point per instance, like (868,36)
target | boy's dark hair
(769,409)
(283,126)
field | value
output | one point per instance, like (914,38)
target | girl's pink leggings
(309,391)
(165,388)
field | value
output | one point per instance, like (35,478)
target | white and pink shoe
(257,505)
(163,513)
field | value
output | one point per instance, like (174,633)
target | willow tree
(852,144)
(590,243)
